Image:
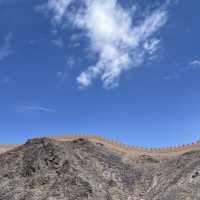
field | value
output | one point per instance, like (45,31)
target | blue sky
(127,70)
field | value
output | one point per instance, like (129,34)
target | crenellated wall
(134,149)
(122,147)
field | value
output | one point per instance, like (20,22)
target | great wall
(127,149)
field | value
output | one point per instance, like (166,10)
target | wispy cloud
(174,76)
(32,108)
(58,7)
(192,65)
(195,64)
(58,42)
(63,75)
(5,49)
(116,38)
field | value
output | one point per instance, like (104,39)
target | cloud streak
(5,49)
(31,108)
(118,41)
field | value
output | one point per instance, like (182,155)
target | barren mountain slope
(46,169)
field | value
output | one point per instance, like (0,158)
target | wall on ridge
(121,147)
(134,149)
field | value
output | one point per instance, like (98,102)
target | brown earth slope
(6,147)
(83,169)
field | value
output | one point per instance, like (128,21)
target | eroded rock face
(45,169)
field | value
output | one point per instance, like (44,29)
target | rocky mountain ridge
(82,169)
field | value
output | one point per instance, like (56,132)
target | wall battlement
(121,147)
(133,149)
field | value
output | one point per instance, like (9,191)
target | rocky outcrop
(81,169)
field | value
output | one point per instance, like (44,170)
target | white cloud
(195,64)
(151,46)
(85,78)
(58,7)
(5,49)
(119,41)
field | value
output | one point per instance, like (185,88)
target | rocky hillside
(46,169)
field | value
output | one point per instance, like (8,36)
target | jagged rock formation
(80,169)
